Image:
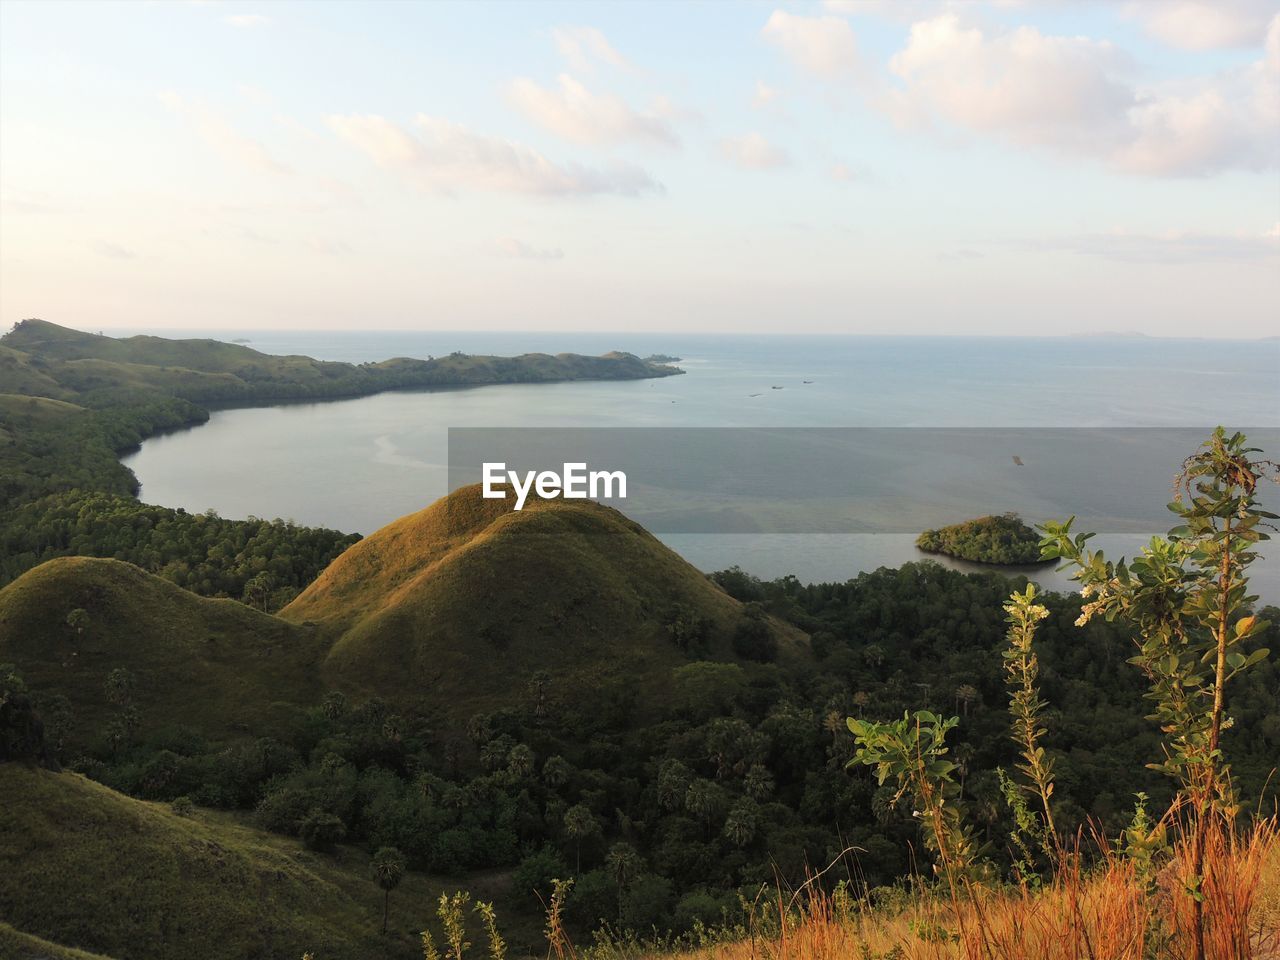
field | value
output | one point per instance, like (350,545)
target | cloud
(824,46)
(1204,24)
(848,173)
(753,152)
(442,155)
(515,249)
(247,20)
(571,111)
(583,47)
(115,251)
(1025,86)
(1169,248)
(764,96)
(1074,94)
(218,134)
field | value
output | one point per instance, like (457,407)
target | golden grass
(1107,913)
(469,598)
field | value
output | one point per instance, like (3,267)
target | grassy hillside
(469,599)
(69,361)
(216,665)
(84,867)
(419,607)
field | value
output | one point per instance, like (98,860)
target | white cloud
(1204,24)
(825,46)
(848,173)
(583,47)
(575,113)
(442,155)
(753,152)
(255,95)
(246,20)
(1074,94)
(220,135)
(764,96)
(115,251)
(1026,86)
(515,249)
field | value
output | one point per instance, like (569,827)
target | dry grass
(1106,913)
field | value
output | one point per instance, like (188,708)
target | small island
(1001,540)
(662,358)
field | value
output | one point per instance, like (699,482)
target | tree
(119,686)
(557,771)
(257,590)
(623,863)
(704,799)
(388,867)
(78,620)
(966,694)
(743,821)
(1187,595)
(320,830)
(673,783)
(538,685)
(579,824)
(758,783)
(520,761)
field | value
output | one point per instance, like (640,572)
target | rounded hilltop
(469,597)
(459,605)
(1003,539)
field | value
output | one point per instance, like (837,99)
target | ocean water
(357,464)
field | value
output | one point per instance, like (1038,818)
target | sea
(355,465)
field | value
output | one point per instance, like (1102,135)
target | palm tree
(623,863)
(758,782)
(743,821)
(387,867)
(520,761)
(702,799)
(579,823)
(557,771)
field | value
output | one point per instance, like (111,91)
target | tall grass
(1106,911)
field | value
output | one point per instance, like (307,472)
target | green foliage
(1187,596)
(911,754)
(1002,540)
(321,830)
(1022,670)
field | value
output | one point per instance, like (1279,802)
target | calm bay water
(357,464)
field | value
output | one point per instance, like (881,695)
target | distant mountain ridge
(59,362)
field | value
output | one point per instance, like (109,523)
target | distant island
(1003,540)
(661,358)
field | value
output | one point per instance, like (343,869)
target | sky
(853,166)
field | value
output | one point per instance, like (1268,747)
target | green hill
(216,665)
(469,598)
(51,360)
(82,866)
(421,607)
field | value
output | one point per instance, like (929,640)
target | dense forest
(738,780)
(1004,539)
